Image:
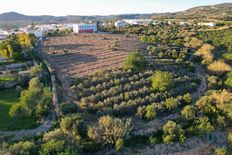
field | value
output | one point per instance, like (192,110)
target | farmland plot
(84,54)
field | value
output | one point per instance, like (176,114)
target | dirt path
(20,134)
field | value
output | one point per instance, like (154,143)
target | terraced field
(88,53)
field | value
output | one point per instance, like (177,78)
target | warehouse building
(84,28)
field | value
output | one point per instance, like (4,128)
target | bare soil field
(88,53)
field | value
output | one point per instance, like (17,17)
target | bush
(228,82)
(119,145)
(35,71)
(206,53)
(187,98)
(153,140)
(52,147)
(188,113)
(172,132)
(227,56)
(135,62)
(202,126)
(150,112)
(172,103)
(56,134)
(23,148)
(72,126)
(220,151)
(109,130)
(219,67)
(162,81)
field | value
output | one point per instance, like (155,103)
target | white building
(4,34)
(210,24)
(37,33)
(184,23)
(120,24)
(84,28)
(143,22)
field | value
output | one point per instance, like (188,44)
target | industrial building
(84,28)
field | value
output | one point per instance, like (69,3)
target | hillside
(211,11)
(13,18)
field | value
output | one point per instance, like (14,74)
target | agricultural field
(84,54)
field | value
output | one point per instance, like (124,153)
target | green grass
(8,97)
(6,78)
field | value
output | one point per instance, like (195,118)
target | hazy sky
(99,7)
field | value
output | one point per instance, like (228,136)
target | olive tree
(162,81)
(109,130)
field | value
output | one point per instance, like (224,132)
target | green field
(9,97)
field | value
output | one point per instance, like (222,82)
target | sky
(99,7)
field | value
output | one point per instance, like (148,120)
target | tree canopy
(135,61)
(162,81)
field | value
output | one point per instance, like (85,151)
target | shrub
(150,112)
(22,148)
(162,81)
(72,126)
(187,98)
(219,67)
(172,132)
(109,130)
(56,134)
(35,71)
(227,56)
(228,82)
(153,140)
(172,103)
(206,53)
(52,147)
(119,145)
(220,151)
(135,62)
(203,126)
(188,113)
(193,42)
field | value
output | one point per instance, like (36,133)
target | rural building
(210,24)
(37,33)
(142,22)
(120,24)
(4,34)
(85,28)
(184,23)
